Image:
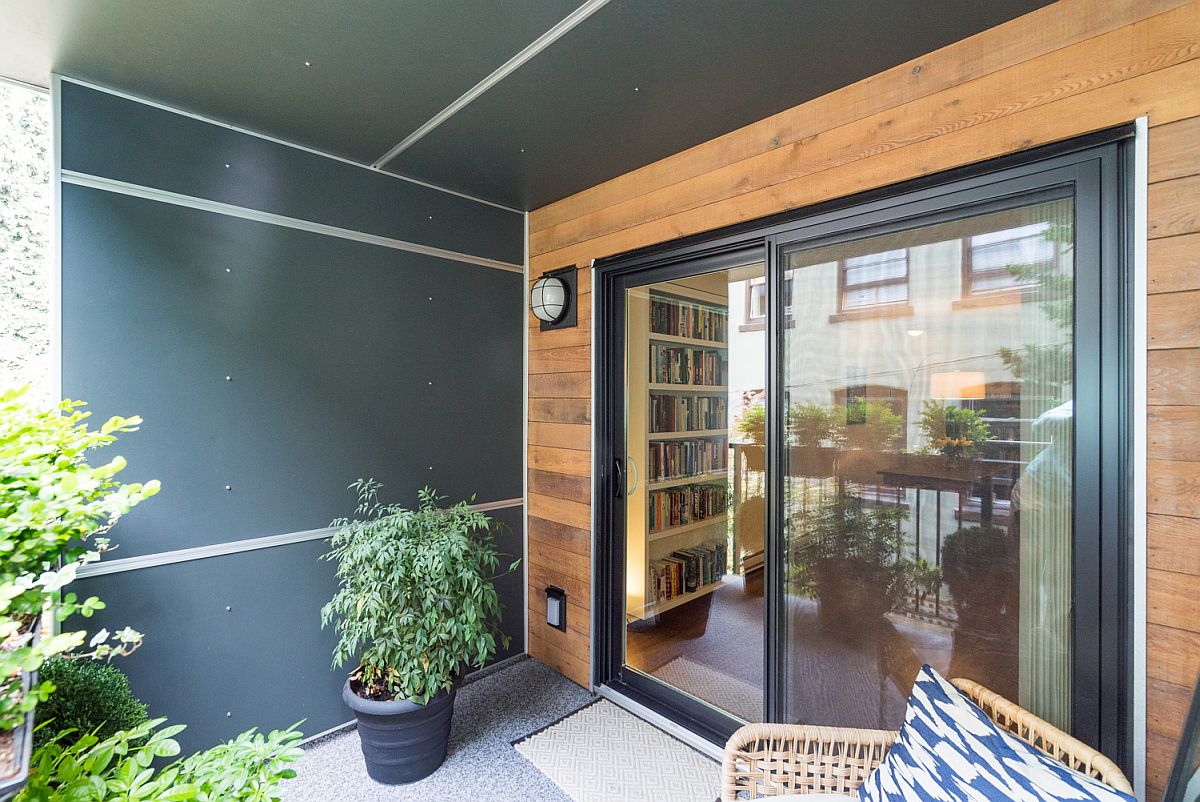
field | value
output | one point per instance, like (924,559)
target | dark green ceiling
(381,69)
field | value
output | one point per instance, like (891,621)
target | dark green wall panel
(345,360)
(265,661)
(112,137)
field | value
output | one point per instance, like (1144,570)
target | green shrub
(954,431)
(416,601)
(55,508)
(88,697)
(120,768)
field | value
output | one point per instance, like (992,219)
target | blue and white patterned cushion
(950,751)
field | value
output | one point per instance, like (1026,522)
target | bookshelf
(678,441)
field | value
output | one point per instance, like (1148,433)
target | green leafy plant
(1050,366)
(979,568)
(850,558)
(753,424)
(872,425)
(811,425)
(54,507)
(416,595)
(89,696)
(927,579)
(954,431)
(120,768)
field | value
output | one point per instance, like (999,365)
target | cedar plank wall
(1069,68)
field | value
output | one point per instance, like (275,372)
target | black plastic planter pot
(402,741)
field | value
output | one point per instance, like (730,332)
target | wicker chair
(764,760)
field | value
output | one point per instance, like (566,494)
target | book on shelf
(680,459)
(679,506)
(686,570)
(684,365)
(676,413)
(684,319)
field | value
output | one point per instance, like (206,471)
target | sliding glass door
(690,486)
(929,465)
(877,435)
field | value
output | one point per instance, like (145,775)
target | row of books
(675,365)
(682,458)
(686,570)
(685,505)
(683,319)
(677,413)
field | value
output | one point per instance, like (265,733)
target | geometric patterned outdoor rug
(602,753)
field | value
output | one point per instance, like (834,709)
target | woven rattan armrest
(773,759)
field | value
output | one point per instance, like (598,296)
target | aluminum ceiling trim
(503,71)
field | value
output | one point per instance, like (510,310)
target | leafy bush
(954,431)
(120,768)
(850,556)
(872,425)
(416,595)
(88,696)
(54,506)
(753,424)
(980,570)
(813,425)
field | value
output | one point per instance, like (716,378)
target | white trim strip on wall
(1138,342)
(238,546)
(228,209)
(503,71)
(525,433)
(259,135)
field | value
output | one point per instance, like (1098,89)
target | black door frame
(1096,167)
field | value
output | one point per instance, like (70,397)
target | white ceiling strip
(507,68)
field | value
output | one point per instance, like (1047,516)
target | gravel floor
(489,714)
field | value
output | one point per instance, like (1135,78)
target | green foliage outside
(753,424)
(1048,365)
(416,596)
(811,425)
(854,551)
(978,564)
(89,696)
(120,768)
(872,425)
(954,431)
(24,238)
(54,508)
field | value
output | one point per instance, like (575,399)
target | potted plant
(54,507)
(851,560)
(954,432)
(417,604)
(814,432)
(979,565)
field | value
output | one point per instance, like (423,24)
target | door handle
(619,483)
(634,470)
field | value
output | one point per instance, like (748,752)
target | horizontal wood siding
(1064,70)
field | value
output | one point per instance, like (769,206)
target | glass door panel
(927,478)
(694,393)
